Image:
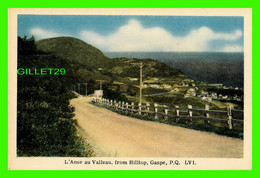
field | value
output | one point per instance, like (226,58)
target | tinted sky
(140,33)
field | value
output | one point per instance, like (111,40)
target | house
(192,90)
(155,86)
(225,97)
(187,95)
(167,86)
(216,84)
(192,93)
(237,99)
(176,89)
(208,98)
(204,93)
(156,79)
(133,79)
(214,95)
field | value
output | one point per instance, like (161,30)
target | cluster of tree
(45,124)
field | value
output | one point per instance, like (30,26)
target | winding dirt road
(114,135)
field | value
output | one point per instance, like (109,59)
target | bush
(45,125)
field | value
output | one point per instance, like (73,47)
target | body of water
(207,67)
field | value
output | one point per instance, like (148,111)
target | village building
(187,95)
(192,93)
(156,79)
(208,98)
(192,90)
(155,86)
(204,98)
(214,95)
(133,79)
(167,86)
(225,97)
(176,89)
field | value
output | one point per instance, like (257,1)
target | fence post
(177,113)
(119,105)
(115,105)
(190,112)
(139,108)
(126,106)
(123,105)
(155,111)
(206,121)
(166,112)
(229,117)
(133,107)
(147,108)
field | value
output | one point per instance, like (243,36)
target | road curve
(114,135)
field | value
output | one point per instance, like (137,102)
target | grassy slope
(88,60)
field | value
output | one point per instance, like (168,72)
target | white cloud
(233,48)
(134,37)
(40,33)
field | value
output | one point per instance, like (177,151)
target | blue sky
(141,33)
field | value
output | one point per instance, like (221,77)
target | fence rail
(188,114)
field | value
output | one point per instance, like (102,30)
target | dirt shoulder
(114,135)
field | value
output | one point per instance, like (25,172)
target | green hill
(91,63)
(74,50)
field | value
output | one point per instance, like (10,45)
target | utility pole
(100,84)
(86,89)
(78,87)
(141,79)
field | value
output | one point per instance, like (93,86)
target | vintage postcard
(130,89)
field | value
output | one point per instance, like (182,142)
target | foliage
(45,125)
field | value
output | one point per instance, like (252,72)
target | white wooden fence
(189,114)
